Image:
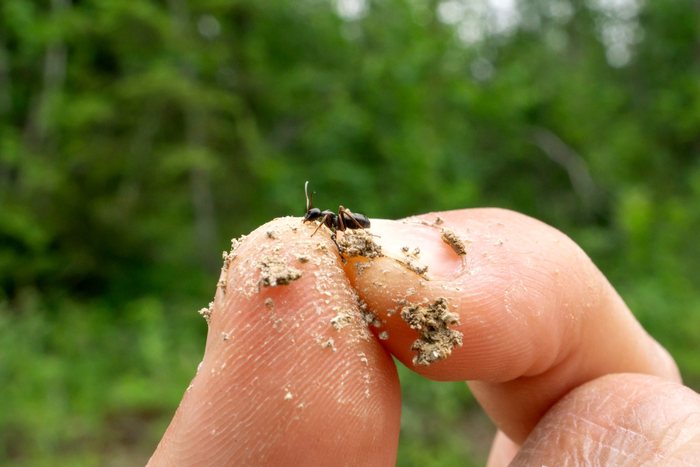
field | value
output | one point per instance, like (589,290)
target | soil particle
(358,243)
(407,251)
(225,336)
(274,271)
(328,344)
(302,258)
(231,255)
(436,339)
(362,265)
(342,319)
(269,302)
(400,303)
(271,234)
(383,336)
(368,316)
(451,238)
(206,312)
(228,258)
(418,269)
(410,259)
(437,222)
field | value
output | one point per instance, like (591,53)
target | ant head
(312,214)
(308,198)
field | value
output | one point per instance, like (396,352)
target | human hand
(292,375)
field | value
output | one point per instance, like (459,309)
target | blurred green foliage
(137,137)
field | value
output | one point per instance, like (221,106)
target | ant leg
(341,227)
(341,219)
(323,221)
(333,237)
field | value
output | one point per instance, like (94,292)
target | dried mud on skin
(229,256)
(359,243)
(368,316)
(410,260)
(274,271)
(436,339)
(362,265)
(456,243)
(206,312)
(342,319)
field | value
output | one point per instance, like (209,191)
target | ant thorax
(345,219)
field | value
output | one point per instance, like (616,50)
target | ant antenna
(308,198)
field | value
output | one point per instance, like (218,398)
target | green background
(137,137)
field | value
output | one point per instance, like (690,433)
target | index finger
(536,317)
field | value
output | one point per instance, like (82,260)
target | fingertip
(290,366)
(408,288)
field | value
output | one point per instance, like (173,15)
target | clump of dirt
(368,316)
(302,258)
(358,243)
(274,271)
(400,303)
(229,256)
(206,312)
(436,339)
(456,243)
(410,259)
(342,319)
(362,265)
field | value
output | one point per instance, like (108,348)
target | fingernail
(421,245)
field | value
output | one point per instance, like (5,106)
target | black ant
(345,219)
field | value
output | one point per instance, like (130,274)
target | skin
(550,350)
